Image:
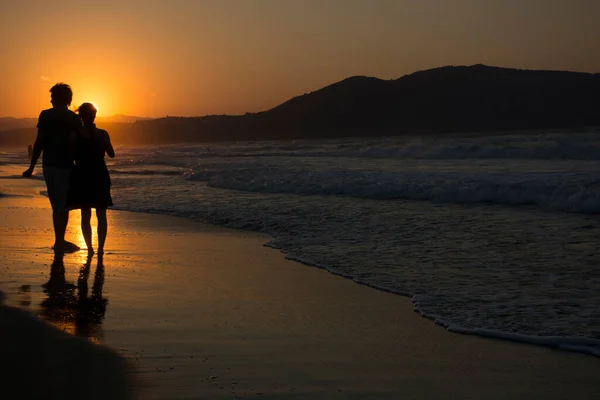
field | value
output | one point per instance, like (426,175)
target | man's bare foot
(71,247)
(65,247)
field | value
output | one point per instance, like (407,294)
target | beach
(201,311)
(304,200)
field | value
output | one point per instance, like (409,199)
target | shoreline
(208,311)
(575,344)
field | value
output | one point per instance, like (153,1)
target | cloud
(44,78)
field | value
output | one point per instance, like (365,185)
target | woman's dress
(90,180)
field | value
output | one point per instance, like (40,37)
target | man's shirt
(55,126)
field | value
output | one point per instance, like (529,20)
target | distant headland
(451,99)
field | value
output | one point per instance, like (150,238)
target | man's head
(61,95)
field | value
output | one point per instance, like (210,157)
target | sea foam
(565,191)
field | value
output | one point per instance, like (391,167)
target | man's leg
(57,182)
(60,219)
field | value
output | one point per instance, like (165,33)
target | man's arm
(38,146)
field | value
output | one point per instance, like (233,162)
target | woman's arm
(108,147)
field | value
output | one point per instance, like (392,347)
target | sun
(93,103)
(94,96)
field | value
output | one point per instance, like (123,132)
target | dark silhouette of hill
(121,118)
(450,99)
(23,137)
(442,100)
(453,99)
(22,131)
(10,123)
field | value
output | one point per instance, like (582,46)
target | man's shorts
(57,181)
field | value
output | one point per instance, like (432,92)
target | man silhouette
(56,138)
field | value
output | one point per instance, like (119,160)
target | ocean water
(490,235)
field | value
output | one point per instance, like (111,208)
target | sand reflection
(71,307)
(76,236)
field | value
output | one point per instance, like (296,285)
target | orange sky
(197,57)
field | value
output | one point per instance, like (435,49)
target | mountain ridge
(11,123)
(448,99)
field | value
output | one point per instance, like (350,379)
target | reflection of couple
(64,137)
(82,313)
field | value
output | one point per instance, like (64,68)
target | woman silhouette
(90,180)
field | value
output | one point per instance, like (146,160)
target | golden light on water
(77,238)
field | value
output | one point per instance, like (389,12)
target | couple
(65,137)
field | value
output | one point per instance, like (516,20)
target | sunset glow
(213,57)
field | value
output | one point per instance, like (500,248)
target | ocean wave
(152,159)
(575,344)
(146,172)
(573,146)
(572,192)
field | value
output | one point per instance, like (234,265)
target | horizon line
(341,80)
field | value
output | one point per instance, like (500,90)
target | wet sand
(205,312)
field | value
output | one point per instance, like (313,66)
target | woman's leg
(102,229)
(86,228)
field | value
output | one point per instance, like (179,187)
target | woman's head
(87,112)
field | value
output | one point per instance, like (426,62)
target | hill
(10,123)
(449,99)
(120,118)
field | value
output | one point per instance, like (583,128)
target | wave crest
(572,192)
(556,146)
